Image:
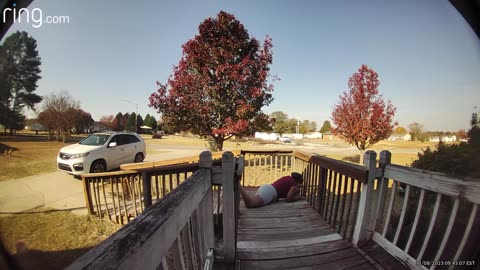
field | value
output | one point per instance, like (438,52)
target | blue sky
(426,55)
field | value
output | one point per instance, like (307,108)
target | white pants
(268,193)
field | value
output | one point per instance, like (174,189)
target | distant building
(99,126)
(296,136)
(400,137)
(452,138)
(267,136)
(328,135)
(314,135)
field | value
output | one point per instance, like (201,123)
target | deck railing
(121,196)
(420,217)
(333,188)
(428,220)
(177,232)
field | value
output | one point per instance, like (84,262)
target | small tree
(59,113)
(84,121)
(361,116)
(326,126)
(220,85)
(400,130)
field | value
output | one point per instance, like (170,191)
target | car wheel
(138,158)
(98,166)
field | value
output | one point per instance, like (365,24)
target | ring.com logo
(35,16)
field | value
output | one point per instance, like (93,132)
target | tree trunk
(219,142)
(362,153)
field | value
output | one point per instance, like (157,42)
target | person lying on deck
(285,187)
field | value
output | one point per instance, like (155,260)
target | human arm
(293,194)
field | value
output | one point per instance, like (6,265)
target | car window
(133,139)
(95,139)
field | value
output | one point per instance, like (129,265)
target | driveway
(59,190)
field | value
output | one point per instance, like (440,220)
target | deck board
(292,236)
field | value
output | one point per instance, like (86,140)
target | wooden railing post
(88,195)
(206,162)
(229,245)
(364,226)
(382,187)
(147,189)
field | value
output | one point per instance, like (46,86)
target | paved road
(59,190)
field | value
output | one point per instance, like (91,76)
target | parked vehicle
(285,139)
(101,152)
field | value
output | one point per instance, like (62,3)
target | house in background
(328,135)
(99,127)
(452,138)
(400,137)
(314,135)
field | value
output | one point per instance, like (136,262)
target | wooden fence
(333,188)
(178,231)
(428,220)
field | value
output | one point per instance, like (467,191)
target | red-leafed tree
(361,116)
(220,84)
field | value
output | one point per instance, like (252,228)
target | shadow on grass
(354,158)
(37,259)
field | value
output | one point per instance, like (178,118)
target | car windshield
(95,139)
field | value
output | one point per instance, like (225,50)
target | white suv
(101,152)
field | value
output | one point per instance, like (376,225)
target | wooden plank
(397,252)
(305,261)
(158,225)
(289,243)
(451,220)
(147,189)
(364,223)
(436,182)
(105,198)
(390,208)
(430,227)
(228,166)
(114,204)
(415,222)
(246,221)
(332,191)
(345,182)
(283,236)
(406,197)
(351,181)
(313,222)
(185,236)
(281,230)
(178,258)
(466,234)
(210,260)
(340,182)
(290,251)
(382,186)
(164,264)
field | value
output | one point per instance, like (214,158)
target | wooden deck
(292,236)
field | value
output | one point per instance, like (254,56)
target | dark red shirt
(283,185)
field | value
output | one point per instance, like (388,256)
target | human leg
(250,201)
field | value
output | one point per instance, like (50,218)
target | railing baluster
(327,193)
(120,215)
(350,182)
(127,216)
(316,180)
(453,215)
(322,186)
(185,236)
(333,197)
(344,201)
(402,215)
(466,235)
(164,264)
(415,222)
(164,184)
(105,198)
(390,207)
(131,185)
(430,227)
(338,200)
(178,259)
(113,199)
(157,189)
(356,208)
(97,195)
